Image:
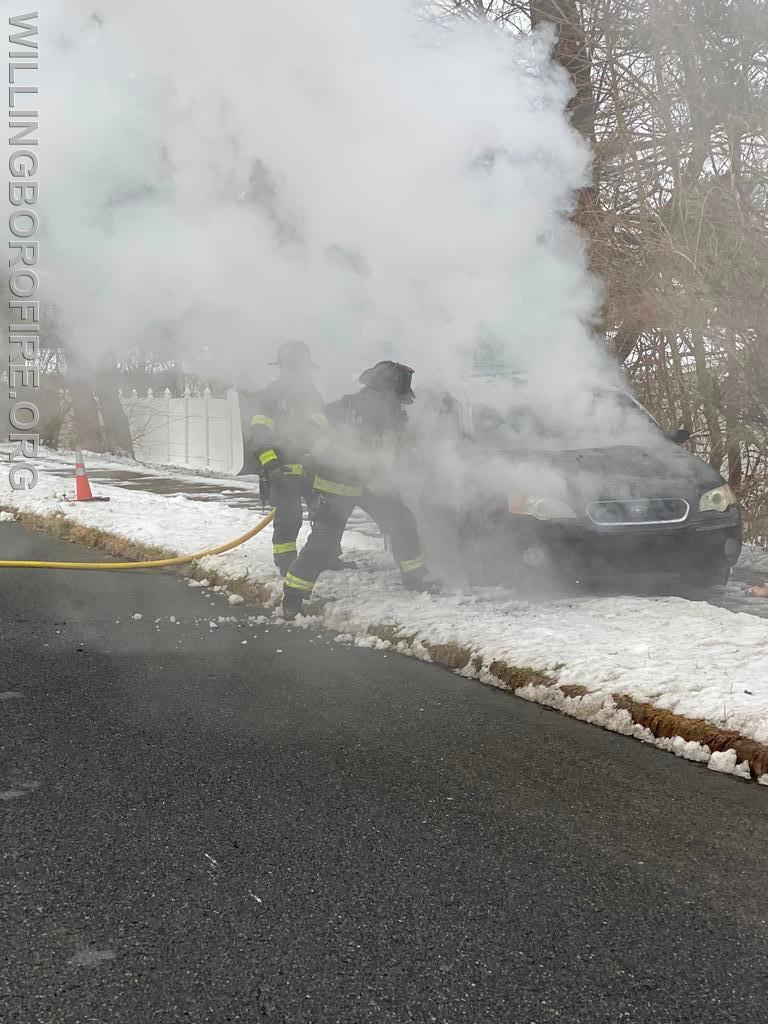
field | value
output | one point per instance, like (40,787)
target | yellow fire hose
(158,563)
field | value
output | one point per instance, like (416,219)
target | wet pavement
(242,492)
(204,489)
(735,598)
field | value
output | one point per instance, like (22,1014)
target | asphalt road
(199,829)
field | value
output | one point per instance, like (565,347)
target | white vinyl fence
(194,429)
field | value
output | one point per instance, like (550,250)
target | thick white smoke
(226,177)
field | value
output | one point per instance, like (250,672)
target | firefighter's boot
(339,564)
(420,581)
(293,602)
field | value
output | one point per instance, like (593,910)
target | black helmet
(389,376)
(294,355)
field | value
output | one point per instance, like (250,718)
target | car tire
(490,558)
(482,565)
(479,550)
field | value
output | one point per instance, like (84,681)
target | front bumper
(706,540)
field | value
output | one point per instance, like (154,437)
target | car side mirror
(681,436)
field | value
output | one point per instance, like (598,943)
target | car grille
(639,511)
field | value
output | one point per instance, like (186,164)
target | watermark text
(23,342)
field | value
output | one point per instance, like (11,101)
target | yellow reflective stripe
(320,420)
(268,456)
(412,565)
(282,549)
(298,584)
(294,468)
(330,487)
(263,421)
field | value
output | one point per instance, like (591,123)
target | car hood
(622,471)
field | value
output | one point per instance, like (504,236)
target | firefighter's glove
(274,472)
(319,511)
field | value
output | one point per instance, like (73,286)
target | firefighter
(355,466)
(289,417)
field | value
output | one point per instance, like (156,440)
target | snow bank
(754,557)
(687,657)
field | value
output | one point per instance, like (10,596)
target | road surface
(196,828)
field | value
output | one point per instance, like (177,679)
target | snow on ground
(62,459)
(689,657)
(754,557)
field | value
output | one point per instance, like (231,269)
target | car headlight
(541,508)
(718,500)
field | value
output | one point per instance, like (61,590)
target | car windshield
(600,417)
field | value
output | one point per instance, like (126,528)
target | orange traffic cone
(83,490)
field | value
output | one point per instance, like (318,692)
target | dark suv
(593,489)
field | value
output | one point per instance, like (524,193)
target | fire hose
(157,563)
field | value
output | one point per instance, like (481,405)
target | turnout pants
(329,513)
(285,495)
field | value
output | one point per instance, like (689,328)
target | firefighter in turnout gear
(289,418)
(355,467)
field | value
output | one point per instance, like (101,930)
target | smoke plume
(219,179)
